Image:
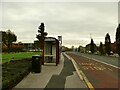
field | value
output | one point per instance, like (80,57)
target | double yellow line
(80,73)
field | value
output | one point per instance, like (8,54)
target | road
(100,75)
(106,59)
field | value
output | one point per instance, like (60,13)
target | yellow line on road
(80,73)
(90,86)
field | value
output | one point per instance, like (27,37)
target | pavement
(62,76)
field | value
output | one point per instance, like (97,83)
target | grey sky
(74,21)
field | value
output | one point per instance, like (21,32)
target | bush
(13,72)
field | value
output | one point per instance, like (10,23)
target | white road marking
(101,62)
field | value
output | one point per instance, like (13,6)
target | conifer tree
(118,39)
(107,44)
(92,48)
(101,48)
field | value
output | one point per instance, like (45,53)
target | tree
(41,36)
(76,49)
(101,48)
(72,48)
(118,39)
(79,49)
(92,46)
(107,44)
(8,38)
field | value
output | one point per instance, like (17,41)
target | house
(113,47)
(25,46)
(82,49)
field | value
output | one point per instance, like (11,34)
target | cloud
(72,20)
(60,1)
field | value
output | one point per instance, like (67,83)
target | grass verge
(7,57)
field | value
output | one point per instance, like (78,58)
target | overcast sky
(73,20)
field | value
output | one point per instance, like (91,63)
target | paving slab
(73,81)
(40,80)
(52,76)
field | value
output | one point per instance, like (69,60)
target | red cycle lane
(100,75)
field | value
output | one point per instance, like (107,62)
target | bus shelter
(51,50)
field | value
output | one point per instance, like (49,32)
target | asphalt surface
(58,81)
(100,75)
(107,59)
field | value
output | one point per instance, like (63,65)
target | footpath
(62,77)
